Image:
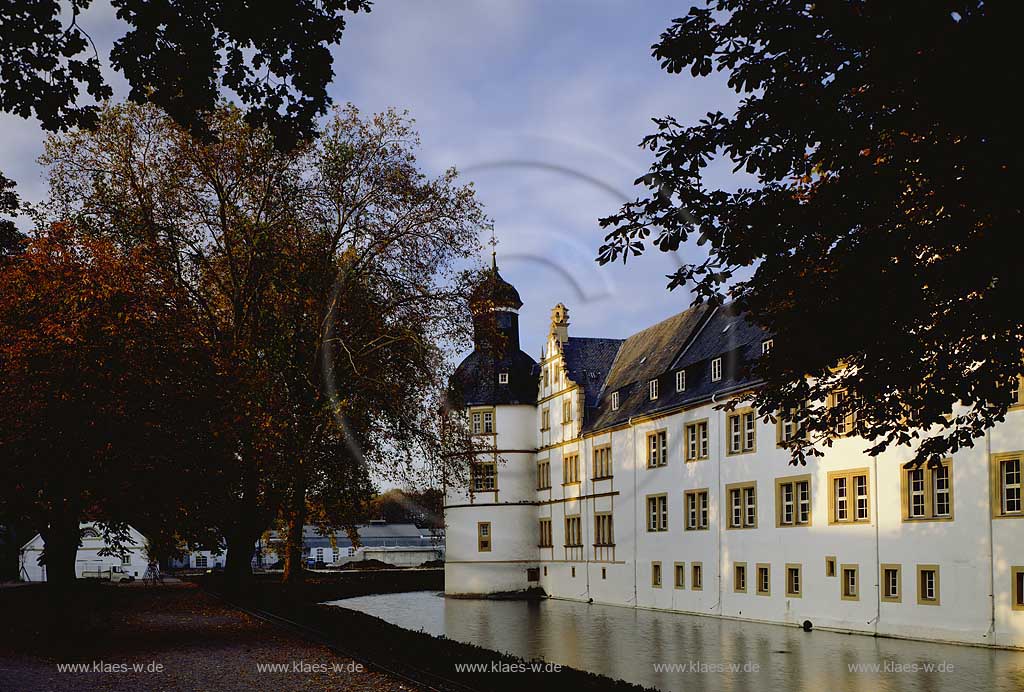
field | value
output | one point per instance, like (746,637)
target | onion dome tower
(497,372)
(487,516)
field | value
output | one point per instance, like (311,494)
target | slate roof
(495,290)
(688,340)
(587,361)
(475,381)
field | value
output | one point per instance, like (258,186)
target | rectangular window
(851,582)
(680,380)
(545,533)
(1009,485)
(697,440)
(787,428)
(657,449)
(739,577)
(696,510)
(1017,587)
(603,462)
(571,469)
(126,560)
(766,346)
(567,411)
(201,562)
(545,419)
(546,378)
(928,585)
(543,474)
(742,432)
(502,378)
(477,422)
(696,576)
(657,513)
(847,423)
(603,532)
(1015,387)
(656,575)
(483,536)
(573,532)
(794,580)
(742,498)
(849,497)
(483,476)
(793,501)
(830,566)
(319,554)
(892,579)
(716,369)
(653,389)
(680,570)
(764,579)
(615,401)
(928,492)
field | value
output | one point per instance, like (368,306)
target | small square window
(716,369)
(502,378)
(766,346)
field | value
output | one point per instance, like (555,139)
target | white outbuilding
(89,559)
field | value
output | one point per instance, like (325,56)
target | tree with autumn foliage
(107,398)
(880,242)
(324,279)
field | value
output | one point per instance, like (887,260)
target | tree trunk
(293,568)
(241,544)
(60,552)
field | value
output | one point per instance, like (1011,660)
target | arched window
(90,533)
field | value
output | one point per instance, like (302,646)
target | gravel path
(180,638)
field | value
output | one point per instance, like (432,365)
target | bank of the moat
(673,651)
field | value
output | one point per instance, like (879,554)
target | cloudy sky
(540,103)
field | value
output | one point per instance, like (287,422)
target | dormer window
(681,381)
(615,401)
(653,389)
(766,346)
(502,378)
(716,369)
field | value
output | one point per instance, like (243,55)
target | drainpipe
(638,504)
(878,558)
(718,495)
(991,543)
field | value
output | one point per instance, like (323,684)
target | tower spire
(494,251)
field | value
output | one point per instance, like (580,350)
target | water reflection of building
(612,475)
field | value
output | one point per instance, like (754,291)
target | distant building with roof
(400,544)
(611,473)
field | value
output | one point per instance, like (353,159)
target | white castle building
(614,478)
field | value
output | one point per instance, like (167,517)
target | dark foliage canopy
(177,54)
(880,242)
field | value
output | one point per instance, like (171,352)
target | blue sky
(540,103)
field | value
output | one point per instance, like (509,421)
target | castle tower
(491,521)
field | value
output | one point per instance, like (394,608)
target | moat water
(672,651)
